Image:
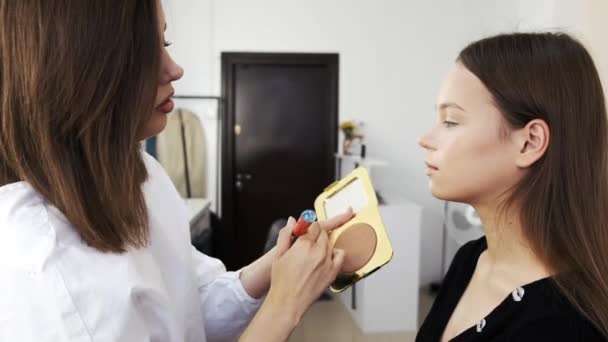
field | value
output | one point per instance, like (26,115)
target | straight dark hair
(563,200)
(77,84)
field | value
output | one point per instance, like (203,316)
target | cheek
(472,166)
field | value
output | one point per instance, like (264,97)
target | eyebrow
(165,28)
(446,105)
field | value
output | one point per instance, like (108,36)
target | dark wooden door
(281,125)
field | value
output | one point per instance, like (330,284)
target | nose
(425,142)
(175,71)
(171,70)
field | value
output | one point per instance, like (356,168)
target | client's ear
(532,141)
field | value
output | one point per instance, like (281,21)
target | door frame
(227,236)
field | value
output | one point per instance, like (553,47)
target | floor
(328,321)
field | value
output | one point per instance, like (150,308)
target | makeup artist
(94,238)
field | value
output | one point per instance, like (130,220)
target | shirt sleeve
(226,307)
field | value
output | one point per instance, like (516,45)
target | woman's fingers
(337,221)
(313,232)
(337,261)
(322,243)
(284,239)
(330,246)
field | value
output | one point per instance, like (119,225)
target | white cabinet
(387,301)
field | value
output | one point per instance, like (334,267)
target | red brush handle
(301,227)
(305,220)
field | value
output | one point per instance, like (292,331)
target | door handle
(240,178)
(245,176)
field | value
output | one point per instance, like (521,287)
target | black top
(535,312)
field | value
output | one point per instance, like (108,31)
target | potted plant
(351,132)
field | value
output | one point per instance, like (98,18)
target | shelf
(367,161)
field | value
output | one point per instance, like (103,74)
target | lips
(430,168)
(167,105)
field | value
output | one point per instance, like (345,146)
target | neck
(509,253)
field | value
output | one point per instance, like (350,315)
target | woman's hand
(302,272)
(299,275)
(255,277)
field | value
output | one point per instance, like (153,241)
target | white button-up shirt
(53,287)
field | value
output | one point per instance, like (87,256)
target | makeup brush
(306,219)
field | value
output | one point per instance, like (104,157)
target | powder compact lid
(363,238)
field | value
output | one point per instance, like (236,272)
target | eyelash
(449,124)
(167,44)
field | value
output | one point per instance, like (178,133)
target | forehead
(464,88)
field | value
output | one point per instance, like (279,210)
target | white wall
(587,20)
(537,15)
(393,54)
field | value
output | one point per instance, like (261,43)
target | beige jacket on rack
(170,154)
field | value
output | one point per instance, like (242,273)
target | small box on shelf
(347,163)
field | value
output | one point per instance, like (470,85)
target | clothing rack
(199,97)
(220,110)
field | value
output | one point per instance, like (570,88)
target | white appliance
(461,224)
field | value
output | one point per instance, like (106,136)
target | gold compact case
(363,238)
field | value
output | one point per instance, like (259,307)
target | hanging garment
(184,139)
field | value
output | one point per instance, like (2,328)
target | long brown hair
(78,83)
(564,197)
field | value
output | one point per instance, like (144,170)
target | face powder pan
(363,238)
(359,240)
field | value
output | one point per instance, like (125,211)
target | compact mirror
(363,238)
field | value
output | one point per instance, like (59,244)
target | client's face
(169,72)
(468,160)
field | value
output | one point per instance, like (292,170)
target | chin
(441,193)
(157,124)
